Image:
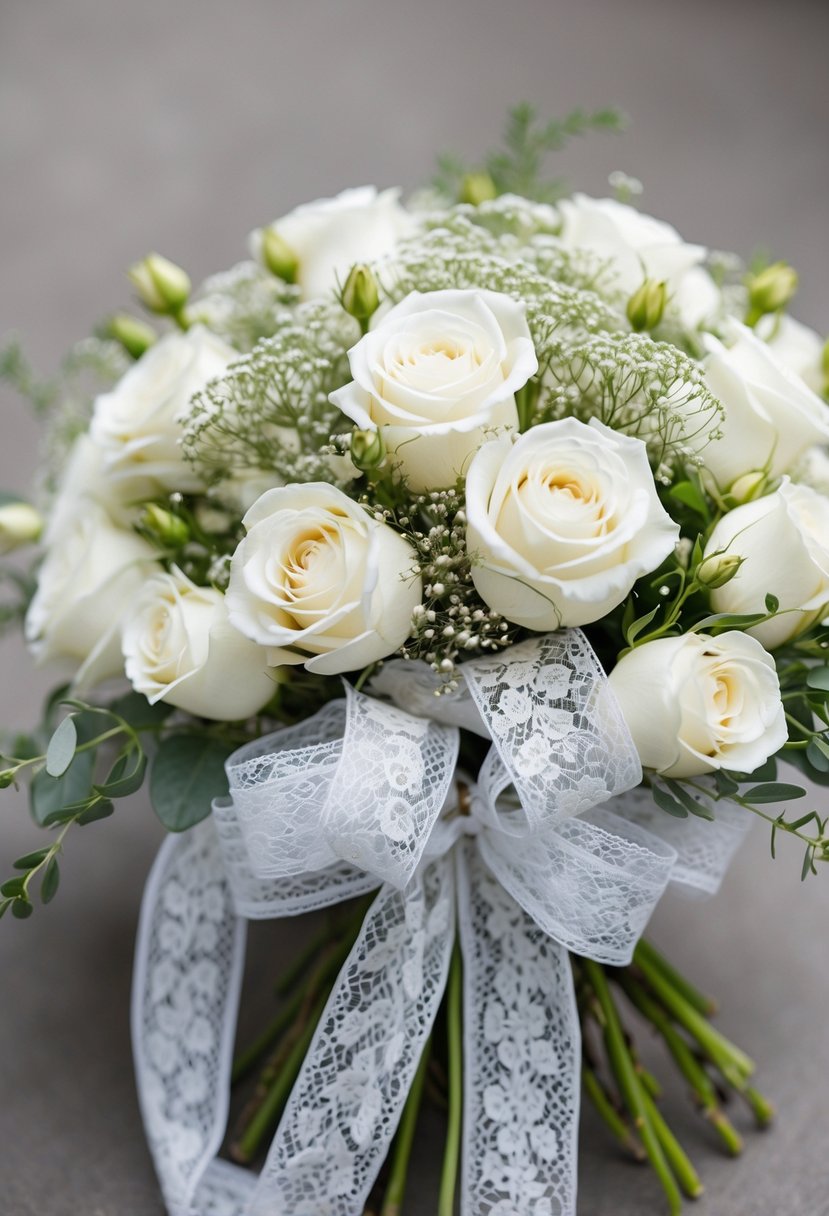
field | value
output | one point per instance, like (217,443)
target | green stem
(703,1004)
(677,1157)
(701,1084)
(266,1116)
(629,1083)
(402,1151)
(732,1062)
(449,1173)
(250,1057)
(299,965)
(609,1115)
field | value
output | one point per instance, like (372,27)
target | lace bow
(552,849)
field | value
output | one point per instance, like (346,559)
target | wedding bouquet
(467,564)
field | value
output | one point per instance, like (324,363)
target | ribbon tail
(186,982)
(348,1098)
(522,1054)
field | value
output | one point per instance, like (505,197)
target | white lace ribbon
(366,794)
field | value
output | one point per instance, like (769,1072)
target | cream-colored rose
(138,425)
(438,376)
(697,703)
(89,578)
(796,346)
(329,236)
(319,581)
(562,523)
(640,247)
(771,415)
(783,540)
(180,647)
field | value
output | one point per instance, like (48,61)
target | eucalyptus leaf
(51,795)
(136,709)
(21,908)
(774,791)
(125,777)
(61,747)
(187,774)
(13,887)
(818,677)
(668,803)
(98,810)
(31,859)
(51,880)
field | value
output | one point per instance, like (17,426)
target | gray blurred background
(178,127)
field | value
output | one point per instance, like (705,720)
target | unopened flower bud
(770,290)
(169,529)
(719,569)
(477,188)
(360,296)
(646,306)
(368,451)
(278,256)
(162,286)
(134,335)
(748,487)
(6,778)
(20,524)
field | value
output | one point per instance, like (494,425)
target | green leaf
(691,805)
(641,623)
(5,904)
(13,887)
(61,747)
(31,859)
(772,603)
(187,774)
(136,709)
(725,783)
(664,800)
(808,862)
(818,753)
(49,796)
(729,620)
(21,908)
(818,677)
(51,880)
(125,777)
(98,810)
(774,791)
(691,495)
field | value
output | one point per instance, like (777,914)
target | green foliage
(518,167)
(187,774)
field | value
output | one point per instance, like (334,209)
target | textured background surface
(125,127)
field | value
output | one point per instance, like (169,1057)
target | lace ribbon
(553,849)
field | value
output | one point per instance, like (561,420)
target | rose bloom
(771,415)
(138,425)
(562,523)
(639,247)
(783,540)
(319,581)
(328,236)
(796,346)
(180,647)
(437,376)
(89,578)
(696,703)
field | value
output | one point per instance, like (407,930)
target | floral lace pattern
(523,1056)
(344,1108)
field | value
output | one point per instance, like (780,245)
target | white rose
(89,578)
(771,416)
(438,376)
(639,247)
(796,346)
(697,703)
(138,425)
(563,522)
(784,542)
(319,581)
(328,236)
(180,647)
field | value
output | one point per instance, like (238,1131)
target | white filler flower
(319,581)
(563,522)
(438,376)
(696,703)
(180,647)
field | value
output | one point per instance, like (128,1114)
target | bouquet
(461,568)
